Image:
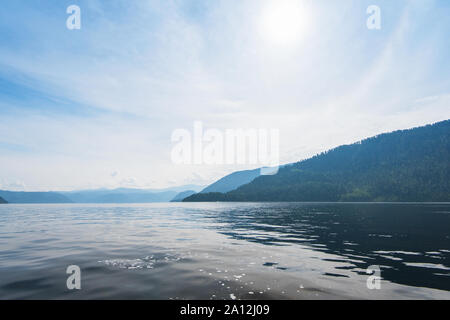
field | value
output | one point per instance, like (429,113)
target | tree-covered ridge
(406,165)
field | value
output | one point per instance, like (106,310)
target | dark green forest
(408,165)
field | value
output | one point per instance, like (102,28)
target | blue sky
(96,107)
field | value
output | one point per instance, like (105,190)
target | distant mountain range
(118,196)
(405,165)
(183,195)
(2,200)
(34,197)
(121,195)
(225,184)
(232,181)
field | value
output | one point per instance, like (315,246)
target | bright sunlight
(284,22)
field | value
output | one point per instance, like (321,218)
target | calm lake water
(225,251)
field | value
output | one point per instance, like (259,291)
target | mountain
(114,196)
(405,165)
(121,195)
(33,197)
(187,187)
(232,181)
(125,195)
(138,197)
(182,195)
(2,200)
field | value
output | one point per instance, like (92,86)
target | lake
(225,251)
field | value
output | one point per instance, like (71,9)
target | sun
(283,22)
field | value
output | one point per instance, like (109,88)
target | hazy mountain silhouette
(33,197)
(232,181)
(126,195)
(120,195)
(3,200)
(182,195)
(405,165)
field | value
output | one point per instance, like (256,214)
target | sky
(97,107)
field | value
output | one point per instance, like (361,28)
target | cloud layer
(96,107)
